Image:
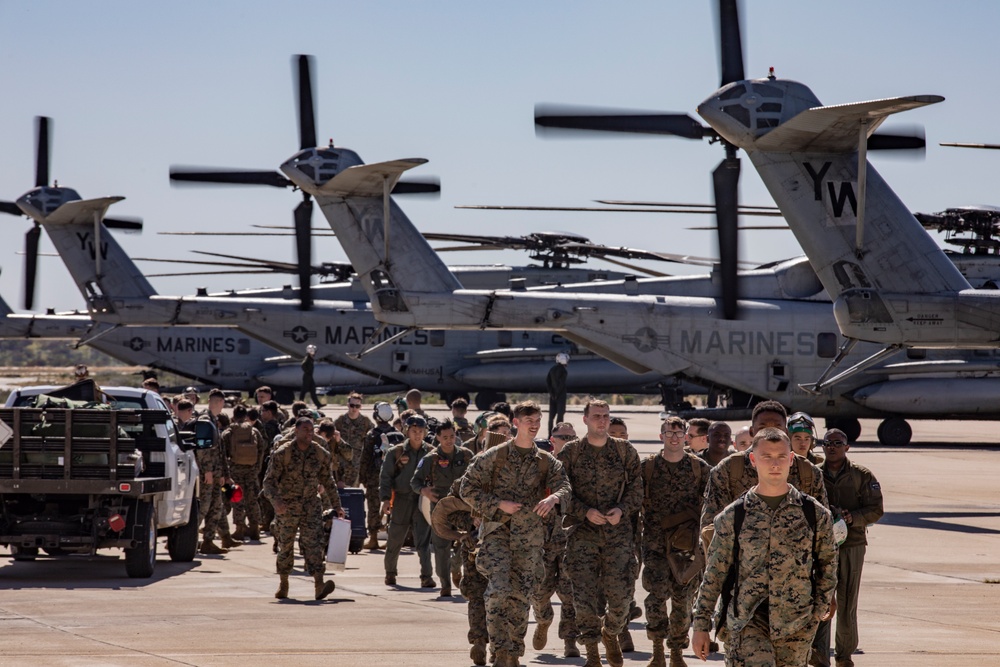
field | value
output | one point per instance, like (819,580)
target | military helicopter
(209,356)
(775,344)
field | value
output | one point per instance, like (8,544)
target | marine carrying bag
(242,445)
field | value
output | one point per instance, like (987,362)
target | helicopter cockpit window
(739,112)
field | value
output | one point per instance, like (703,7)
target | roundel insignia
(644,339)
(137,344)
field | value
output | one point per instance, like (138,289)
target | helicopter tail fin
(72,231)
(384,256)
(810,165)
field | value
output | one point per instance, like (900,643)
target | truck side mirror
(202,437)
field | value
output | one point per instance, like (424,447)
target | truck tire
(182,542)
(141,560)
(23,553)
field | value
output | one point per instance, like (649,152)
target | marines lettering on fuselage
(87,245)
(216,344)
(767,343)
(840,192)
(341,335)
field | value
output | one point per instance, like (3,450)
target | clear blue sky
(136,87)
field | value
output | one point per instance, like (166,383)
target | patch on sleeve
(876,486)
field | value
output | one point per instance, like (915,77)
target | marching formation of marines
(762,544)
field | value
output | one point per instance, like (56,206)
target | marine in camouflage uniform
(214,461)
(246,514)
(434,476)
(723,489)
(672,555)
(776,605)
(556,580)
(600,554)
(394,487)
(296,472)
(452,519)
(353,430)
(507,486)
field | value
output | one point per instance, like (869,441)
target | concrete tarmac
(927,597)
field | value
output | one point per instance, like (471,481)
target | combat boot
(677,658)
(593,655)
(323,588)
(541,636)
(571,650)
(372,543)
(658,659)
(229,543)
(210,548)
(625,641)
(506,659)
(612,650)
(282,591)
(239,533)
(478,652)
(253,532)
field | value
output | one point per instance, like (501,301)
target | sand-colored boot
(593,655)
(612,649)
(282,591)
(478,652)
(677,658)
(323,588)
(659,659)
(541,636)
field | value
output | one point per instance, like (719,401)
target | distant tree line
(50,352)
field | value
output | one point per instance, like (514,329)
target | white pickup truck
(74,480)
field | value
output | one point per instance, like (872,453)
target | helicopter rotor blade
(303,248)
(10,208)
(185,175)
(725,182)
(31,265)
(305,102)
(565,118)
(43,150)
(730,42)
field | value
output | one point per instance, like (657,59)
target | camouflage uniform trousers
(306,519)
(556,580)
(374,516)
(473,588)
(249,507)
(754,647)
(600,570)
(211,509)
(659,582)
(513,566)
(406,514)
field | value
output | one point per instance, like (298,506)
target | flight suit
(439,471)
(370,469)
(854,489)
(394,484)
